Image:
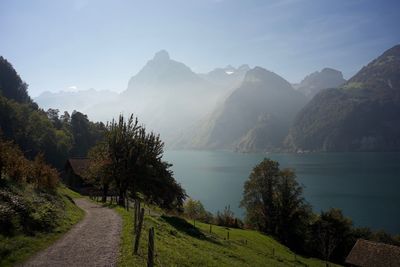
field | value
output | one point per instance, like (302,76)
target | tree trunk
(121,198)
(105,193)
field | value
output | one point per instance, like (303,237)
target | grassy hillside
(19,246)
(178,243)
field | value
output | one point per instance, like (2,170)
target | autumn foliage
(15,167)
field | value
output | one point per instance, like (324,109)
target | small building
(373,254)
(74,171)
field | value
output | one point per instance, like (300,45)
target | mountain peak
(161,55)
(382,72)
(394,51)
(257,74)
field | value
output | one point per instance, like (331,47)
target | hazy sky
(56,45)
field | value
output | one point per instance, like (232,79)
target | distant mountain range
(79,100)
(316,81)
(361,115)
(255,109)
(256,116)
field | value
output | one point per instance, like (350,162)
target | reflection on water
(366,186)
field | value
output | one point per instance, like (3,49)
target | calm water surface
(366,186)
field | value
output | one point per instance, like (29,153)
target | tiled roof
(368,253)
(79,165)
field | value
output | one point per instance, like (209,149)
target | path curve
(92,242)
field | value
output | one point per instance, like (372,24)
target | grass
(21,247)
(178,243)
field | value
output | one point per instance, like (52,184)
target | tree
(226,218)
(99,173)
(274,203)
(81,133)
(16,167)
(52,114)
(43,175)
(131,159)
(11,84)
(194,209)
(259,197)
(293,213)
(330,233)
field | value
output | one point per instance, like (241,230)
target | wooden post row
(150,251)
(138,232)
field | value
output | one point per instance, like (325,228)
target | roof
(368,253)
(79,165)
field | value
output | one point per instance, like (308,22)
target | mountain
(70,101)
(361,115)
(316,81)
(255,117)
(162,73)
(227,77)
(167,96)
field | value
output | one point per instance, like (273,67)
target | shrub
(43,175)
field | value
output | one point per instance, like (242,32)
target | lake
(366,186)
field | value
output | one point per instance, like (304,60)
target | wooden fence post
(136,215)
(138,232)
(127,202)
(150,252)
(227,234)
(138,209)
(210,228)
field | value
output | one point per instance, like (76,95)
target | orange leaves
(14,166)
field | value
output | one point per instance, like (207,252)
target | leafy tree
(133,160)
(82,133)
(293,213)
(42,175)
(99,172)
(259,196)
(158,186)
(227,218)
(274,203)
(13,164)
(330,233)
(15,167)
(194,209)
(52,114)
(11,84)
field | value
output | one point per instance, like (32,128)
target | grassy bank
(17,248)
(178,243)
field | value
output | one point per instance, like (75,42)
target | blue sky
(55,45)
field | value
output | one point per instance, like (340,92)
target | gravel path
(92,242)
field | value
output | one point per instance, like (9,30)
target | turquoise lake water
(366,186)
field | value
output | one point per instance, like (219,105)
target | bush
(43,175)
(227,219)
(194,209)
(27,211)
(15,167)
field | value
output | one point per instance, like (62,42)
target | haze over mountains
(246,109)
(166,95)
(316,81)
(77,100)
(256,116)
(361,115)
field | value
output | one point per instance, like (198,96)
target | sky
(100,44)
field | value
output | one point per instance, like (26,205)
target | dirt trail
(92,242)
